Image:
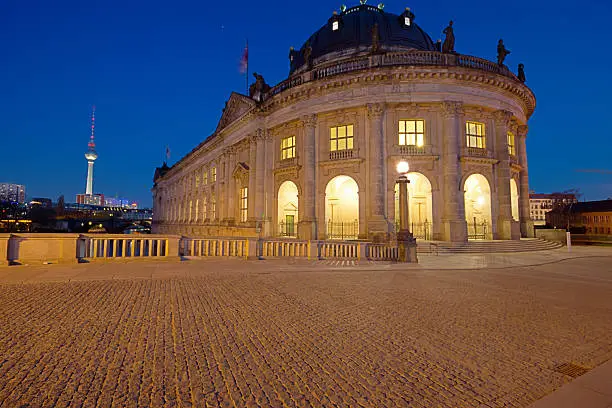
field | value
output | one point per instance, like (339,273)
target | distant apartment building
(540,204)
(90,199)
(593,217)
(12,192)
(119,202)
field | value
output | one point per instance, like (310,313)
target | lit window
(204,209)
(243,203)
(205,177)
(335,26)
(511,146)
(341,138)
(407,21)
(213,174)
(197,210)
(288,148)
(475,133)
(197,180)
(190,209)
(213,207)
(412,132)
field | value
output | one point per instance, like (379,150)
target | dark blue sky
(160,72)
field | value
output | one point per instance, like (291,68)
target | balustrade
(342,154)
(124,246)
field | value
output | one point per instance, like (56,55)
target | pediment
(236,107)
(240,169)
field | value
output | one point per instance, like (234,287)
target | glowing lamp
(402,167)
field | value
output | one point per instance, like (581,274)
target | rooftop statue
(521,72)
(307,55)
(502,52)
(259,88)
(449,41)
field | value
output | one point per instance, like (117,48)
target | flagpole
(247,68)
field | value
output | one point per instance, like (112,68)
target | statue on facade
(307,54)
(449,42)
(521,72)
(375,38)
(259,88)
(502,52)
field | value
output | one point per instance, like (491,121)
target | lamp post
(406,244)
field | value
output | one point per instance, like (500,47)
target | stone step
(525,245)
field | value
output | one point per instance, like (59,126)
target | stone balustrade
(390,59)
(73,248)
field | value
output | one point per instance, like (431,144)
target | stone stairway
(475,247)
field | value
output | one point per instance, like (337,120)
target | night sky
(159,74)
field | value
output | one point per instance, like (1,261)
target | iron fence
(478,230)
(343,230)
(420,230)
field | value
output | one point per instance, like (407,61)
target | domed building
(315,156)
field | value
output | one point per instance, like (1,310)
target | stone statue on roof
(449,42)
(258,89)
(521,72)
(307,54)
(502,52)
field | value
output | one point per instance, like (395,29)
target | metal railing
(342,230)
(420,230)
(478,230)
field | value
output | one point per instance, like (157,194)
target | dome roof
(354,30)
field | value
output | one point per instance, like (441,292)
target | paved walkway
(453,331)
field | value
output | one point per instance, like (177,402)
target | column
(308,225)
(524,215)
(453,220)
(231,211)
(376,221)
(502,175)
(260,164)
(269,187)
(251,214)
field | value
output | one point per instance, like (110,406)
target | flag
(167,153)
(244,61)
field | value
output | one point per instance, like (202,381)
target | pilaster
(307,227)
(524,214)
(453,220)
(260,162)
(378,227)
(502,174)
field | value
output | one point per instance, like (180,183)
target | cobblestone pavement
(246,334)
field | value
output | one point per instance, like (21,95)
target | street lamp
(406,244)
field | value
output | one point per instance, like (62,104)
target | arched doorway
(514,199)
(287,209)
(420,211)
(342,208)
(477,195)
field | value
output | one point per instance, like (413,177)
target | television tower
(91,154)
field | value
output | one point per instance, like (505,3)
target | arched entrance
(514,199)
(342,208)
(287,209)
(477,195)
(420,211)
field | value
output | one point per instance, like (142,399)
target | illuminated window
(213,207)
(204,209)
(341,138)
(288,148)
(213,174)
(407,21)
(197,180)
(511,146)
(335,26)
(475,133)
(197,210)
(412,132)
(205,177)
(190,209)
(244,203)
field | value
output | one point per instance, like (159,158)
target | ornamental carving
(502,117)
(522,130)
(235,107)
(309,121)
(375,110)
(452,108)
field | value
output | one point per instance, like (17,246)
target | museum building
(315,156)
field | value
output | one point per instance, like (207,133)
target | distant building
(43,202)
(540,204)
(12,192)
(90,199)
(119,202)
(594,217)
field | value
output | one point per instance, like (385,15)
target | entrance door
(290,225)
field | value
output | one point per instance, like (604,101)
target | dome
(352,30)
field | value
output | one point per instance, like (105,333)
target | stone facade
(246,151)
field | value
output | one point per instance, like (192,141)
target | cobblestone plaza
(309,333)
